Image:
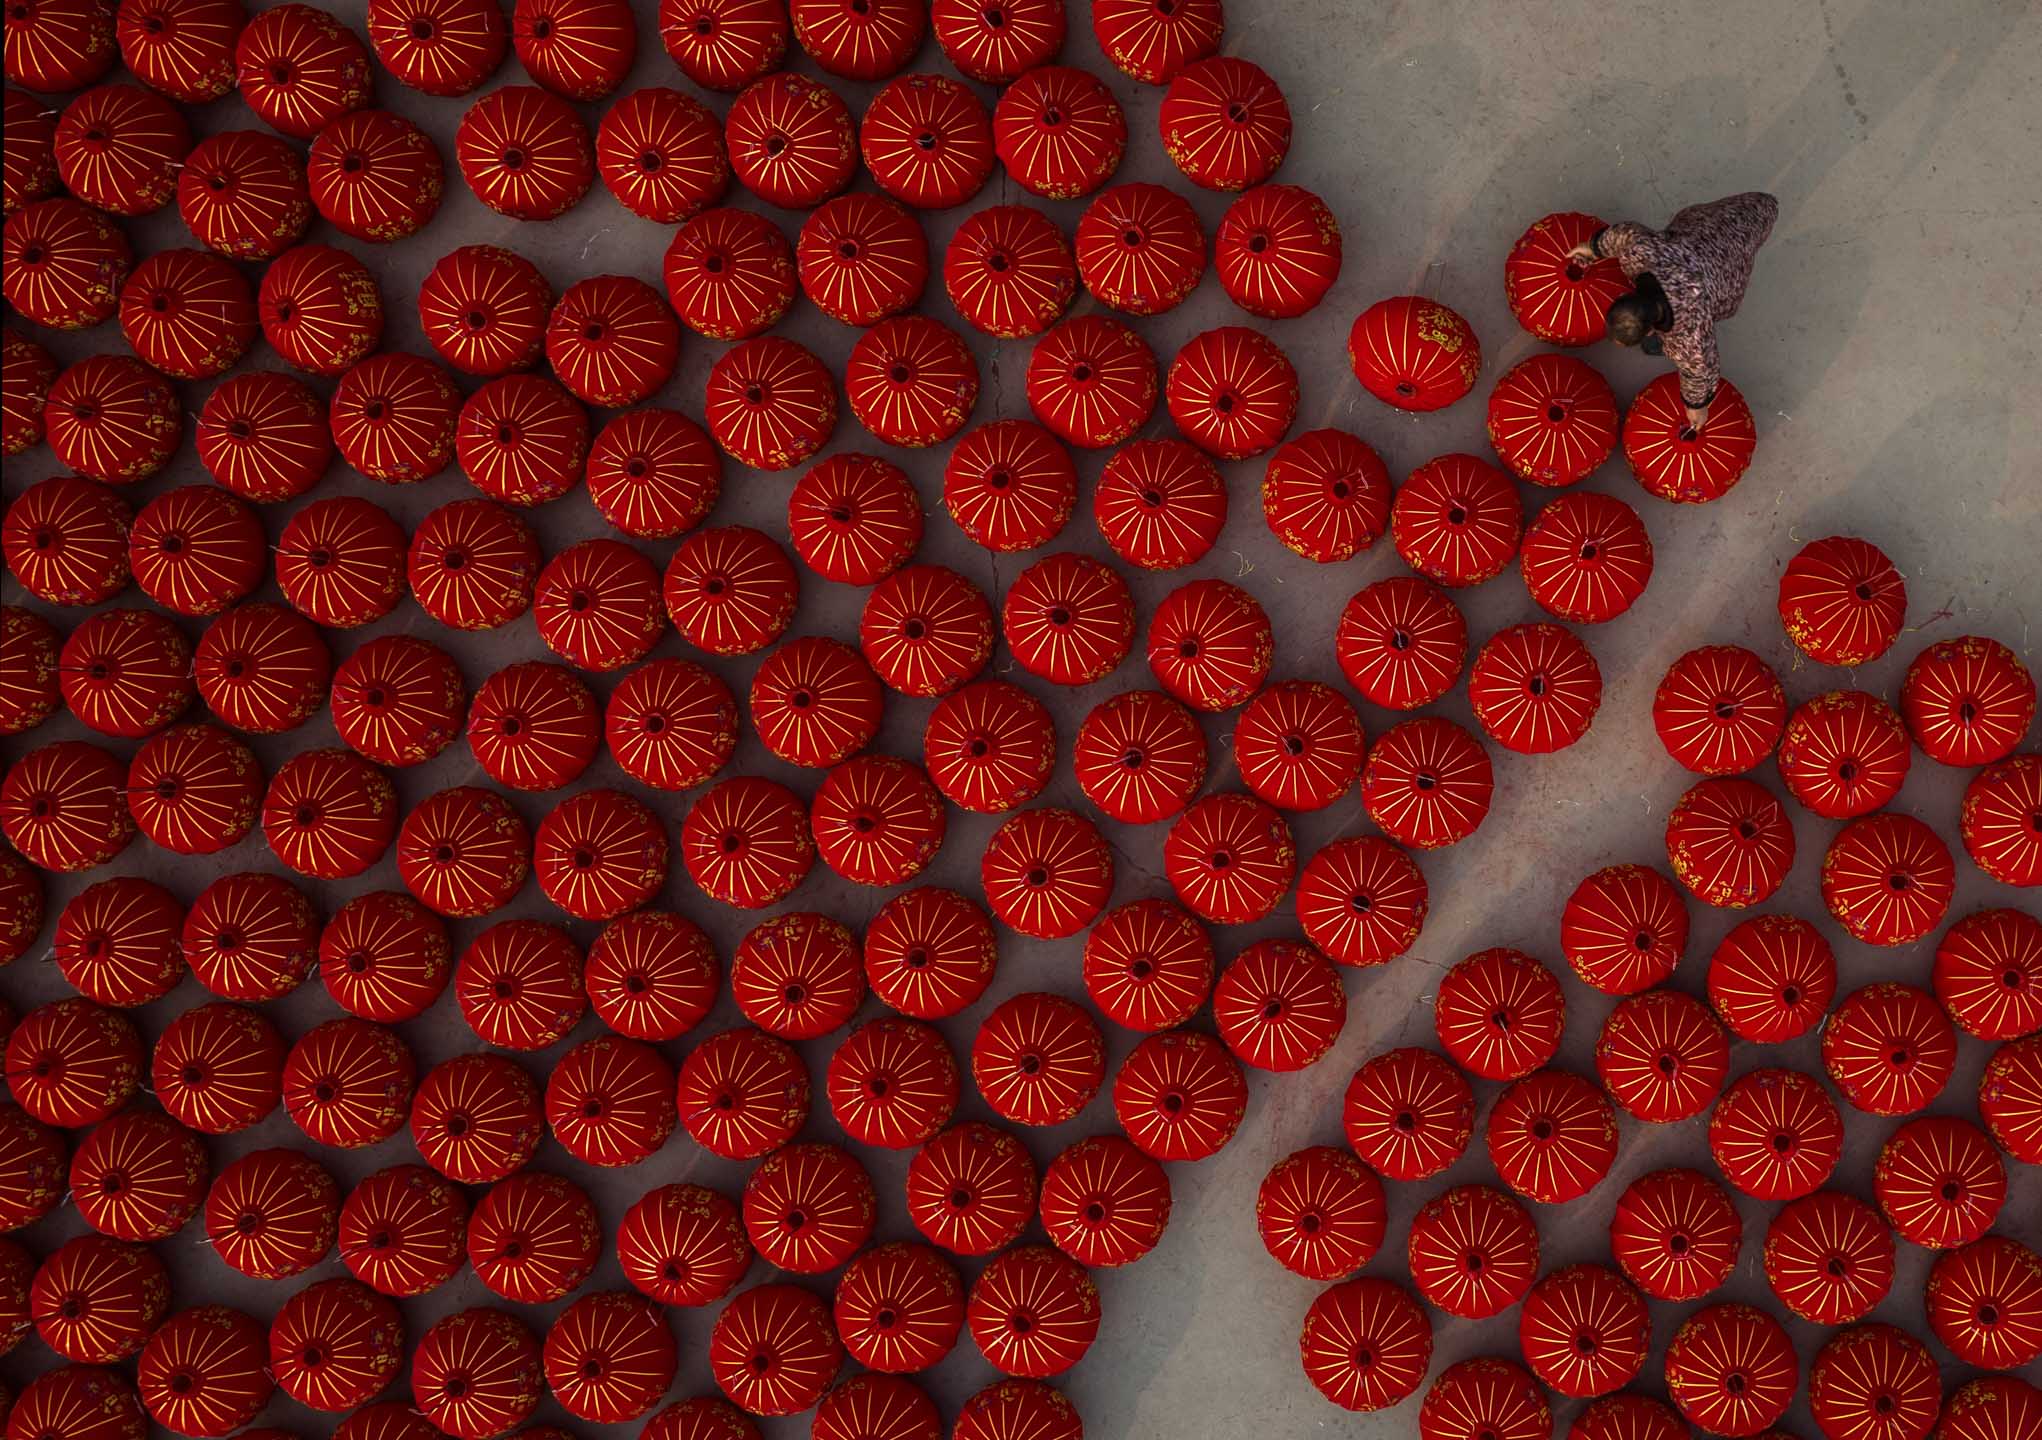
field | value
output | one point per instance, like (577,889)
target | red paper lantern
(394,416)
(609,1357)
(250,936)
(463,852)
(1457,521)
(1888,879)
(1730,842)
(1401,642)
(1485,1396)
(1940,1182)
(1675,1234)
(1829,1258)
(322,312)
(205,1372)
(300,69)
(73,1063)
(397,700)
(1148,965)
(125,673)
(262,668)
(661,154)
(972,1189)
(1279,1005)
(808,1208)
(534,726)
(652,975)
(1092,381)
(791,141)
(684,1245)
(814,702)
(31,170)
(612,342)
(1160,504)
(1224,123)
(868,44)
(770,403)
(66,541)
(402,1230)
(1553,420)
(654,474)
(1874,1380)
(1987,973)
(1069,619)
(1033,1311)
(197,549)
(892,1084)
(525,153)
(1842,602)
(96,1299)
(730,274)
(996,45)
(730,590)
(746,842)
(218,1068)
(335,1345)
(484,308)
(671,724)
(1731,1369)
(1889,1048)
(188,313)
(1584,1331)
(348,1083)
(1776,1134)
(1277,251)
(1230,858)
(245,195)
(1232,391)
(118,148)
(1047,873)
(1552,1136)
(599,854)
(375,176)
(910,380)
(1038,1059)
(65,263)
(1059,132)
(1844,754)
(773,1350)
(885,1407)
(1180,1095)
(797,975)
(1427,783)
(61,806)
(1586,558)
(1678,463)
(1139,757)
(742,1093)
(329,814)
(1662,1056)
(1361,900)
(1366,1344)
(1422,1086)
(1105,1203)
(1326,496)
(1321,1213)
(723,45)
(1153,43)
(1967,701)
(272,1214)
(1998,822)
(476,1118)
(580,49)
(438,47)
(927,141)
(264,437)
(112,418)
(116,942)
(1985,1303)
(1009,272)
(610,1101)
(1140,249)
(522,439)
(929,953)
(395,1420)
(29,369)
(1993,1407)
(519,984)
(926,630)
(1535,688)
(477,1373)
(854,519)
(385,957)
(1561,300)
(1413,353)
(1473,1251)
(707,1417)
(29,691)
(534,1238)
(1499,1014)
(1772,978)
(79,1402)
(1018,1410)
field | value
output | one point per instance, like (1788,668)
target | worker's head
(1631,318)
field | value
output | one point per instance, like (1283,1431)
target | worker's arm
(1610,242)
(1691,346)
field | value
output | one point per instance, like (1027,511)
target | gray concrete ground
(1888,347)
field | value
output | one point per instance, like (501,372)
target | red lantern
(1967,701)
(112,418)
(272,1214)
(31,159)
(197,549)
(79,1402)
(1069,619)
(1092,381)
(348,1083)
(1279,1005)
(1842,602)
(661,154)
(1230,858)
(892,1084)
(1552,1136)
(477,1118)
(62,807)
(118,148)
(519,984)
(742,1093)
(188,313)
(730,274)
(1535,688)
(65,263)
(723,45)
(1481,1397)
(32,1167)
(1985,1303)
(1018,1410)
(707,1417)
(1104,1202)
(1366,1344)
(66,541)
(96,1299)
(329,814)
(1998,824)
(244,194)
(1772,978)
(73,1063)
(581,49)
(997,47)
(808,1208)
(814,701)
(612,341)
(790,141)
(1987,973)
(1148,965)
(1874,1380)
(1889,1048)
(262,668)
(1038,1059)
(1499,1014)
(609,1357)
(126,673)
(1473,1251)
(925,630)
(1009,272)
(1160,504)
(335,1345)
(1426,1088)
(250,936)
(610,1101)
(1140,756)
(1321,1213)
(463,852)
(797,975)
(884,1407)
(29,369)
(1457,520)
(927,141)
(1047,873)
(205,1372)
(1731,1369)
(731,590)
(29,691)
(1232,391)
(17,1276)
(1140,249)
(117,942)
(483,308)
(1993,1407)
(771,404)
(746,842)
(600,854)
(1059,132)
(218,1068)
(683,1245)
(1888,879)
(1844,754)
(1559,299)
(402,1229)
(899,1308)
(1326,496)
(1401,642)
(477,1373)
(522,439)
(1224,123)
(1584,1331)
(654,474)
(1413,353)
(1662,1056)
(525,153)
(1180,1095)
(1730,842)
(972,1189)
(877,820)
(1675,461)
(1427,783)
(1676,1234)
(1277,251)
(1361,900)
(438,47)
(1586,558)
(534,1238)
(1940,1182)
(300,69)
(534,726)
(652,975)
(773,1350)
(929,953)
(375,176)
(909,380)
(1776,1134)
(1829,1258)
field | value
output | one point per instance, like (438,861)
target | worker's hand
(1584,252)
(1697,416)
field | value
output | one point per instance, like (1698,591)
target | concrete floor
(1888,347)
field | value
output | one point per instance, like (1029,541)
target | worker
(1686,277)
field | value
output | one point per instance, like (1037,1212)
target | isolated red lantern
(96,1299)
(683,1245)
(927,141)
(1729,841)
(1998,820)
(1829,1258)
(320,309)
(1940,1182)
(610,1356)
(972,1189)
(1662,1056)
(742,1093)
(1675,1234)
(1719,710)
(929,953)
(1841,601)
(1180,1095)
(116,942)
(534,1238)
(791,141)
(1038,1059)
(1888,879)
(1731,1369)
(1874,1380)
(730,274)
(477,1373)
(1775,1134)
(1967,701)
(773,1351)
(892,1083)
(1889,1048)
(272,1214)
(1423,1086)
(1985,1303)
(1413,353)
(348,1083)
(1104,1202)
(73,1063)
(1140,757)
(402,1230)
(1561,300)
(205,1372)
(1678,463)
(525,153)
(1010,273)
(1366,1344)
(218,1068)
(250,936)
(335,1345)
(997,47)
(1772,978)
(1499,1014)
